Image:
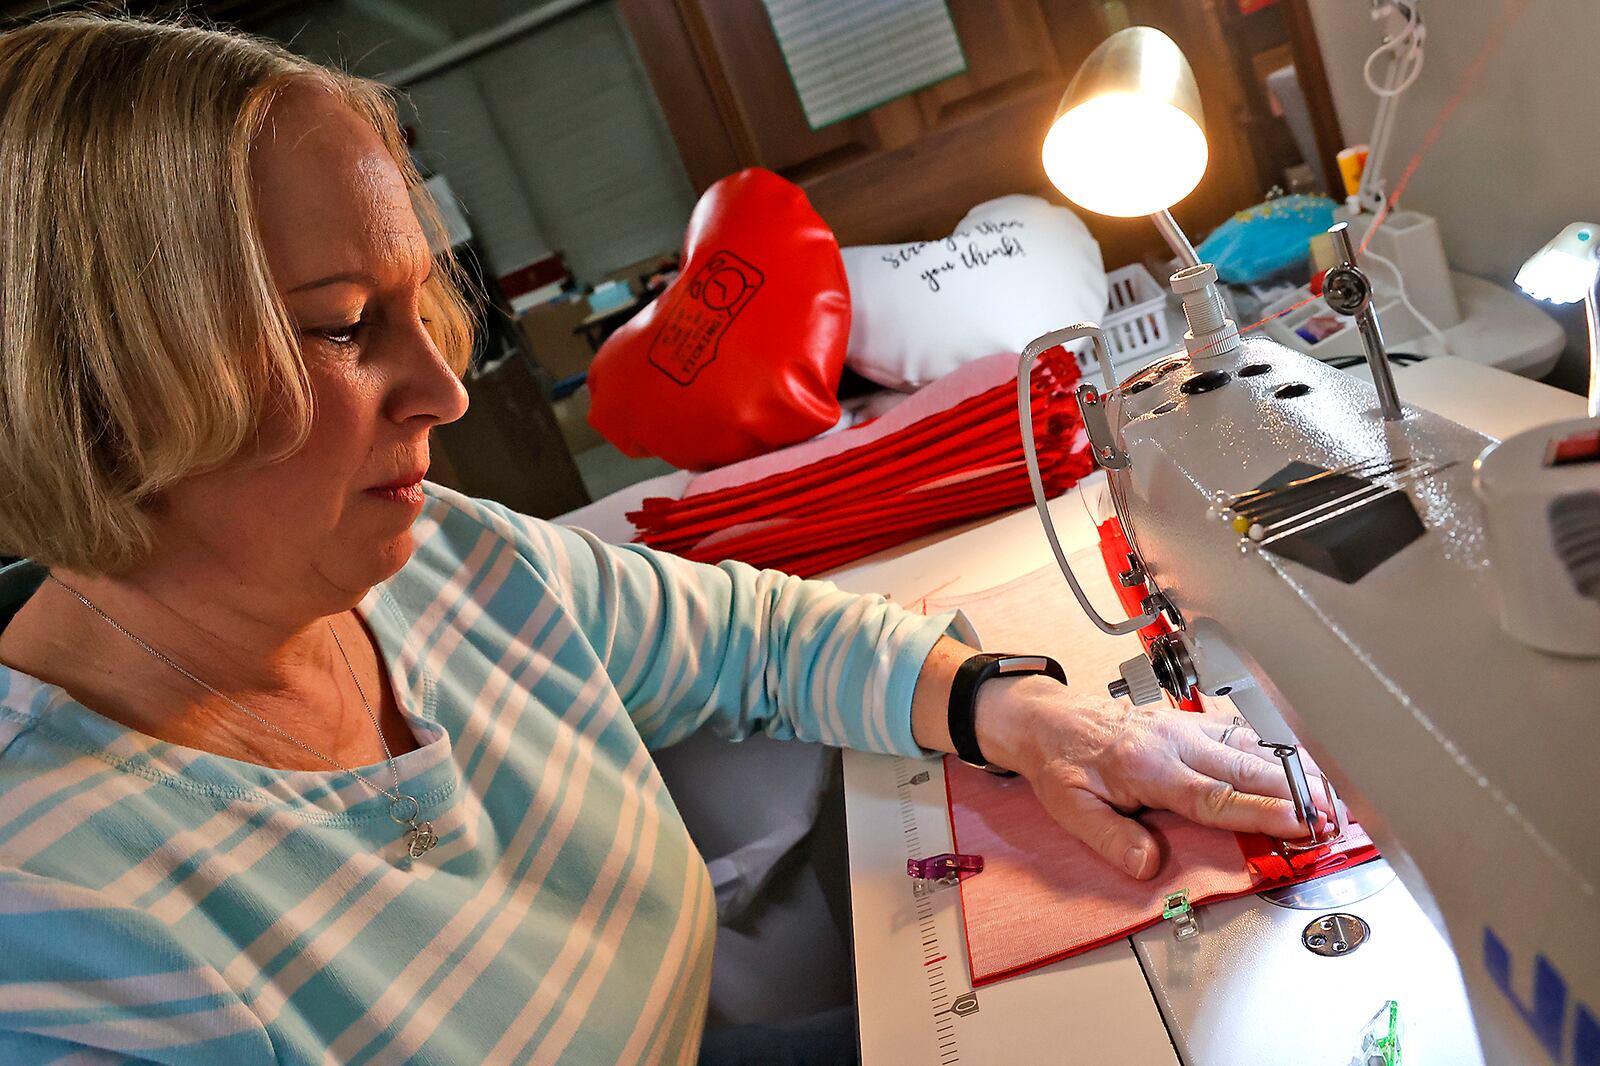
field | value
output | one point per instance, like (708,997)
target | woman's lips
(408,492)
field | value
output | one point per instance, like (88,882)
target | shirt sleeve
(742,649)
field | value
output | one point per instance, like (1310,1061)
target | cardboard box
(634,273)
(549,331)
(509,446)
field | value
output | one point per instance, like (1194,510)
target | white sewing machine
(1402,684)
(1469,755)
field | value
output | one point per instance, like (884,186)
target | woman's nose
(426,388)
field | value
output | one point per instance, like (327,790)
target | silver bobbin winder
(1348,290)
(1166,667)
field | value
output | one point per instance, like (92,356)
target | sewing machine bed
(1210,1001)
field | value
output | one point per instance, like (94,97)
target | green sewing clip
(1380,1038)
(1180,913)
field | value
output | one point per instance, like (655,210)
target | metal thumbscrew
(1347,290)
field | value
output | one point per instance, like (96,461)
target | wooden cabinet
(910,168)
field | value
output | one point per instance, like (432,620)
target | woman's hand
(1094,761)
(1091,760)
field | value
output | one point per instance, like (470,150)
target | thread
(1510,12)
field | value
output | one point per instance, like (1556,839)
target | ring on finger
(1231,726)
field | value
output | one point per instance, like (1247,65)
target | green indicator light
(1583,235)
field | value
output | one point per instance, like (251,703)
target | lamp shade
(1129,136)
(1563,270)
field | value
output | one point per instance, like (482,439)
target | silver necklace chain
(403,809)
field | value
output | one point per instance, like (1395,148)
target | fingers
(1244,743)
(1220,803)
(1239,734)
(1244,770)
(1121,841)
(1248,772)
(1234,732)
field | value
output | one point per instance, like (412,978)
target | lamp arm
(1404,66)
(1176,239)
(1025,421)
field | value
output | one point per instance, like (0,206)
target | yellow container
(1352,163)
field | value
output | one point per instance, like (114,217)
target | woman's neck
(284,665)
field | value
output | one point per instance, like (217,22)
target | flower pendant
(420,839)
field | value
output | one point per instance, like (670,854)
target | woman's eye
(340,335)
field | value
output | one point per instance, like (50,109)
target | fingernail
(1134,860)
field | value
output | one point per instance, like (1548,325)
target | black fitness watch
(970,676)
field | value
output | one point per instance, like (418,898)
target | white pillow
(1014,268)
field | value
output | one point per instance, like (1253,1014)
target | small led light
(1562,271)
(1567,270)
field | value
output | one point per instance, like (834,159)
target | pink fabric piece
(1043,895)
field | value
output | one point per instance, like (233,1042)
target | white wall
(1521,157)
(586,138)
(553,141)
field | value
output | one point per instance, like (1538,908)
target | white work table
(911,970)
(910,953)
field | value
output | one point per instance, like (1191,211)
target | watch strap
(963,711)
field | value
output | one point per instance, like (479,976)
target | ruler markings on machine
(933,956)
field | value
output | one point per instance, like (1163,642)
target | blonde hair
(142,338)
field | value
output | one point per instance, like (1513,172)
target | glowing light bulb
(1146,154)
(1129,136)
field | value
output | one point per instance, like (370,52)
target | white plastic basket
(1135,322)
(1285,320)
(1136,319)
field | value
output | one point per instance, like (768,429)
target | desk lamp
(1566,270)
(1129,137)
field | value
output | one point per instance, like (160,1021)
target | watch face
(970,676)
(1024,664)
(1029,664)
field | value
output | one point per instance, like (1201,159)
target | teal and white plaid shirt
(163,904)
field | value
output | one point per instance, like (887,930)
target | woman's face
(350,259)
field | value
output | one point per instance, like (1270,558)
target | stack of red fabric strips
(947,454)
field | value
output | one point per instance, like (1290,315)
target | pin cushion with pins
(1342,523)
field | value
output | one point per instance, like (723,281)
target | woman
(305,759)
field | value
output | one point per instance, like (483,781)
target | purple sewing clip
(945,869)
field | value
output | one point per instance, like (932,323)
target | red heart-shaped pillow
(742,354)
